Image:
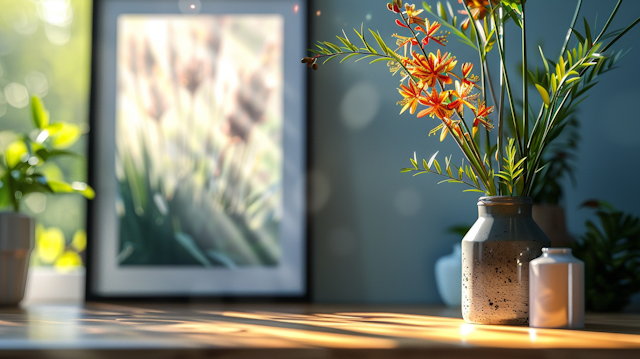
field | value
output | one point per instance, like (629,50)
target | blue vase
(449,277)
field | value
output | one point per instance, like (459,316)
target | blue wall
(376,232)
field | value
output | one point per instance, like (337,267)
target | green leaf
(39,113)
(544,94)
(572,80)
(433,158)
(569,58)
(14,152)
(450,180)
(380,59)
(323,50)
(348,56)
(546,64)
(519,162)
(332,46)
(5,194)
(348,44)
(513,16)
(587,31)
(437,165)
(474,178)
(34,187)
(474,190)
(364,42)
(66,135)
(414,163)
(329,58)
(580,38)
(363,57)
(580,49)
(454,30)
(407,170)
(45,154)
(448,166)
(381,43)
(60,186)
(84,189)
(441,12)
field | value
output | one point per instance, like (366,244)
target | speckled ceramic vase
(495,261)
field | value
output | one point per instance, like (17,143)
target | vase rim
(14,214)
(503,200)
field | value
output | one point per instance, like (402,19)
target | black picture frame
(176,275)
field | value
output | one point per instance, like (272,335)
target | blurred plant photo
(44,85)
(198,139)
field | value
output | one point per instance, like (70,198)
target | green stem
(500,39)
(507,85)
(606,26)
(482,72)
(472,161)
(525,94)
(573,24)
(620,35)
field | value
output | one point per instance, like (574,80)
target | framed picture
(197,149)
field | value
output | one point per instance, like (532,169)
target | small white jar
(556,290)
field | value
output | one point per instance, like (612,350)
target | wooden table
(296,331)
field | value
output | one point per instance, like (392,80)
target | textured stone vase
(495,261)
(17,233)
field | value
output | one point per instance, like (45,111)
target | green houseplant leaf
(39,114)
(25,157)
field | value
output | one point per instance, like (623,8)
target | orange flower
(434,68)
(412,13)
(479,10)
(394,6)
(411,95)
(435,104)
(467,77)
(462,93)
(429,32)
(481,117)
(449,123)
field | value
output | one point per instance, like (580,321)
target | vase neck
(505,206)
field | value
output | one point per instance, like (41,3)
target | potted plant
(477,114)
(20,176)
(610,249)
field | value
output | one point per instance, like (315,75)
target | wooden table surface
(99,330)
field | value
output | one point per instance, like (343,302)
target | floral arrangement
(458,98)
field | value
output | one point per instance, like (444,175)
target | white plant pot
(47,285)
(17,233)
